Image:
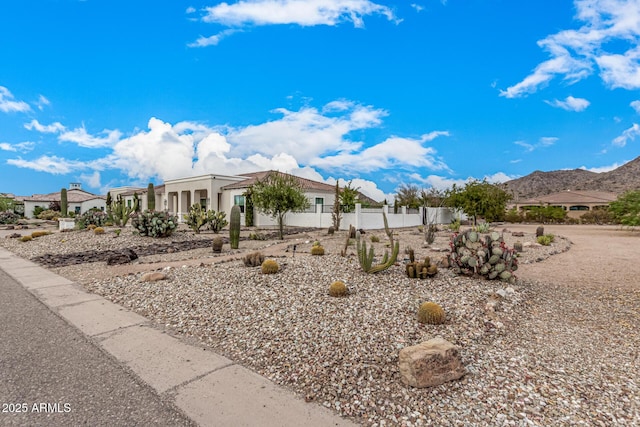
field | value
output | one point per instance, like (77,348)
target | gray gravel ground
(537,352)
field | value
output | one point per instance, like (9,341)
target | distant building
(576,203)
(78,201)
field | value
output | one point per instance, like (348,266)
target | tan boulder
(430,363)
(153,276)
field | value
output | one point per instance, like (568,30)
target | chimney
(75,186)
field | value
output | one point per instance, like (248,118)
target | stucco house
(78,201)
(576,203)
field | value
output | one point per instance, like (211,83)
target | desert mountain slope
(624,178)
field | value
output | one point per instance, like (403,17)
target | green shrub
(455,225)
(49,215)
(375,239)
(546,239)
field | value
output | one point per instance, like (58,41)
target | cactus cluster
(270,266)
(196,218)
(420,270)
(121,212)
(338,289)
(489,258)
(154,224)
(366,258)
(317,249)
(431,313)
(254,259)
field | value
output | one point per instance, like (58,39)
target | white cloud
(52,128)
(8,104)
(545,141)
(627,135)
(93,180)
(299,12)
(212,40)
(21,146)
(574,53)
(570,104)
(50,164)
(81,137)
(42,102)
(636,106)
(190,9)
(601,169)
(417,7)
(391,153)
(306,132)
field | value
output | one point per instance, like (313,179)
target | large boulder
(430,363)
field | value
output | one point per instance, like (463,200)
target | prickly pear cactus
(491,258)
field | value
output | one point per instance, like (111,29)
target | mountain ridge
(538,183)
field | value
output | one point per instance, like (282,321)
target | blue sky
(112,93)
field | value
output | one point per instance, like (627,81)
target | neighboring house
(128,194)
(576,203)
(78,201)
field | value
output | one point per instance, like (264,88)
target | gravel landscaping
(537,352)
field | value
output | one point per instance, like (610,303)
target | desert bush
(546,239)
(455,225)
(597,216)
(375,239)
(41,233)
(8,217)
(514,216)
(49,215)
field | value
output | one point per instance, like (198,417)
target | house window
(239,200)
(319,200)
(77,210)
(128,203)
(203,203)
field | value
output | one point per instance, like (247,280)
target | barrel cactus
(217,244)
(98,230)
(270,266)
(317,249)
(431,313)
(254,259)
(338,289)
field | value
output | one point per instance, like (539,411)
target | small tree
(479,198)
(626,209)
(349,197)
(409,196)
(336,214)
(277,195)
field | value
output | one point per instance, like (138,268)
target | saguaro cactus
(234,227)
(151,197)
(63,202)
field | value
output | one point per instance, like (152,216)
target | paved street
(59,378)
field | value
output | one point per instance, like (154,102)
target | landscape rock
(123,257)
(153,276)
(430,363)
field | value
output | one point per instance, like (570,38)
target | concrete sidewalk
(210,389)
